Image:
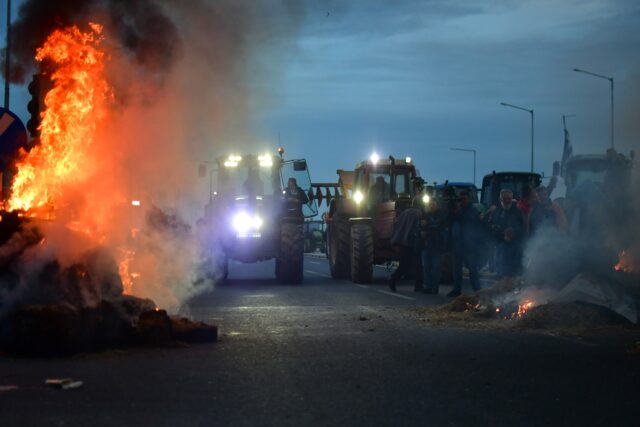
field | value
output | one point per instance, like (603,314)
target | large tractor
(254,217)
(360,219)
(597,190)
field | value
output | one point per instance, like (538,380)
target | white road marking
(317,274)
(361,286)
(397,295)
(313,262)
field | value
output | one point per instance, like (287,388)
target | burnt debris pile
(47,308)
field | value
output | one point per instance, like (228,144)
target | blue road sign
(13,136)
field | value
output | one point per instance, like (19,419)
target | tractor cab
(495,182)
(383,184)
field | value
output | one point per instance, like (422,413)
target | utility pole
(530,111)
(7,68)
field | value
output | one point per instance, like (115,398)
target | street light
(578,70)
(530,112)
(469,150)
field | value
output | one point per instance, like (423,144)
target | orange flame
(74,105)
(123,269)
(625,263)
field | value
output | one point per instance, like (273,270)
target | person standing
(547,213)
(406,235)
(432,232)
(465,235)
(506,223)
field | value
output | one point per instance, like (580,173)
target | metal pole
(611,80)
(210,184)
(530,112)
(474,167)
(531,141)
(578,70)
(7,68)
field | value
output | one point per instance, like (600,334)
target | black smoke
(142,27)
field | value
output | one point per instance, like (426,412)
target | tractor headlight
(243,223)
(426,199)
(358,197)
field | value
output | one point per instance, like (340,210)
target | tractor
(253,217)
(360,219)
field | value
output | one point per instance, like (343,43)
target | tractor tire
(361,253)
(290,262)
(338,250)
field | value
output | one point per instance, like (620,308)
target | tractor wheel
(361,253)
(290,262)
(338,249)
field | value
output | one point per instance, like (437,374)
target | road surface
(331,353)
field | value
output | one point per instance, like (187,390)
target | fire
(74,106)
(123,269)
(522,309)
(625,263)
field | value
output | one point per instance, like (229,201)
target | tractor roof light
(374,158)
(265,161)
(230,164)
(407,159)
(358,197)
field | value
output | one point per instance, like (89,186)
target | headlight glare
(358,197)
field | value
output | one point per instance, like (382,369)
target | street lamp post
(578,70)
(469,150)
(530,112)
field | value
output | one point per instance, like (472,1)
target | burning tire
(338,249)
(289,264)
(361,253)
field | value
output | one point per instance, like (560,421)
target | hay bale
(460,304)
(193,332)
(154,328)
(570,315)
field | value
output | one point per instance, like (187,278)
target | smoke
(188,79)
(603,224)
(140,27)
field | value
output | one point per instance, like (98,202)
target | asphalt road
(331,353)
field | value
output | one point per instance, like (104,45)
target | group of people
(454,231)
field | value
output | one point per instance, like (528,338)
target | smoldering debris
(587,303)
(576,315)
(49,308)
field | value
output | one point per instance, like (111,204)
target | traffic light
(38,88)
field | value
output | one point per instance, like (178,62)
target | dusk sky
(418,77)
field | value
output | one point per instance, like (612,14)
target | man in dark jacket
(432,232)
(506,223)
(295,196)
(406,234)
(465,236)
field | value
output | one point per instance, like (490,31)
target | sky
(415,78)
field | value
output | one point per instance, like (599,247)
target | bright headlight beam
(426,199)
(358,197)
